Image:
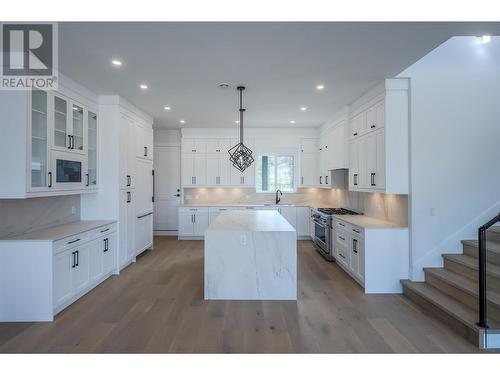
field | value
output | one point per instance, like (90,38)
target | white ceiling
(279,63)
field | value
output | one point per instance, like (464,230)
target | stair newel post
(482,277)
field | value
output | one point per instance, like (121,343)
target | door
(92,149)
(186,224)
(39,140)
(78,128)
(60,137)
(62,288)
(96,259)
(309,170)
(167,187)
(200,223)
(80,274)
(109,253)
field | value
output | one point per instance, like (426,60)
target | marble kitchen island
(251,255)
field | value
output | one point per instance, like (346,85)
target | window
(275,172)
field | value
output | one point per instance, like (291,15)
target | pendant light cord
(240,89)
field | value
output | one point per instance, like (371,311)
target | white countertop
(367,221)
(60,231)
(255,205)
(251,221)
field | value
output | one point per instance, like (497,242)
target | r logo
(27,49)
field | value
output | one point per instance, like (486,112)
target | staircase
(451,293)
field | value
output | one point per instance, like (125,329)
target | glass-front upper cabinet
(92,149)
(61,135)
(39,143)
(77,133)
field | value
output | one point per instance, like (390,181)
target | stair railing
(482,271)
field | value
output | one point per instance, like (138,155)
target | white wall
(454,147)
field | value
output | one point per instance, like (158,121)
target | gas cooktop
(337,211)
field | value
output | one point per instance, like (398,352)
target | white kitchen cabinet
(309,145)
(336,156)
(127,152)
(193,221)
(80,276)
(288,212)
(62,289)
(144,189)
(309,170)
(142,140)
(246,178)
(126,227)
(144,232)
(218,170)
(92,149)
(96,266)
(358,125)
(193,146)
(218,146)
(194,170)
(303,222)
(367,162)
(69,130)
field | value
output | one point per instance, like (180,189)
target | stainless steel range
(322,237)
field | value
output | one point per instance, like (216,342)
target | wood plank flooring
(156,306)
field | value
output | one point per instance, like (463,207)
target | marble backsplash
(19,216)
(393,208)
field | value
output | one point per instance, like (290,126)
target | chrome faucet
(278,198)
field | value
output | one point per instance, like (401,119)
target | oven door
(68,171)
(321,235)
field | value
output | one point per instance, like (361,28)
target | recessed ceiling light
(303,109)
(320,86)
(292,121)
(486,39)
(167,108)
(143,86)
(116,62)
(182,121)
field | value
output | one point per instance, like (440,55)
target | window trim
(277,154)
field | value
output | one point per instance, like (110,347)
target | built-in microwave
(68,171)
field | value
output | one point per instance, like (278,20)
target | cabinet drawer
(190,210)
(220,209)
(102,231)
(357,231)
(341,238)
(342,255)
(342,225)
(69,242)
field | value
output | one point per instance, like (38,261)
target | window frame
(294,157)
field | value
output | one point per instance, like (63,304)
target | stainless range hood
(338,178)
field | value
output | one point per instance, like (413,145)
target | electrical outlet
(73,210)
(243,240)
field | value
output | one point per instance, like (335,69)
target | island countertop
(251,221)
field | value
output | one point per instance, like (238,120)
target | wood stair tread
(463,283)
(444,302)
(471,262)
(492,246)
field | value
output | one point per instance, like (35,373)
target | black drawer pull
(105,230)
(342,256)
(342,238)
(355,134)
(70,242)
(373,126)
(140,217)
(50,180)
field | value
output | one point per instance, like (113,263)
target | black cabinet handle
(341,256)
(129,197)
(77,258)
(373,126)
(104,230)
(355,245)
(106,245)
(50,180)
(320,180)
(373,179)
(326,180)
(74,260)
(88,179)
(129,180)
(342,238)
(355,134)
(145,151)
(69,142)
(153,174)
(355,178)
(70,242)
(141,216)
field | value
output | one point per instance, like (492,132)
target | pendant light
(240,155)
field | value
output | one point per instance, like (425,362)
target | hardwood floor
(156,306)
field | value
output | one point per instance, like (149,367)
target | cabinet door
(92,149)
(249,176)
(144,189)
(60,134)
(237,178)
(133,138)
(62,288)
(212,173)
(308,145)
(336,143)
(126,227)
(224,169)
(187,170)
(309,169)
(148,143)
(131,227)
(354,177)
(224,146)
(200,170)
(371,118)
(144,232)
(361,260)
(368,155)
(212,146)
(200,223)
(186,224)
(39,140)
(78,128)
(138,140)
(303,221)
(96,259)
(80,274)
(354,259)
(379,178)
(109,253)
(125,178)
(290,215)
(381,115)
